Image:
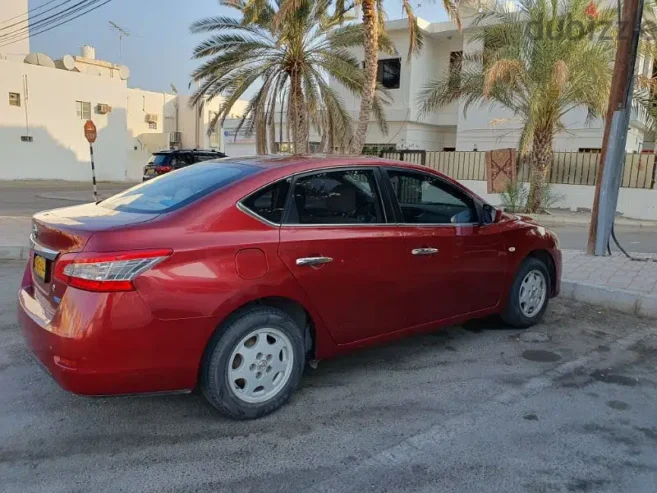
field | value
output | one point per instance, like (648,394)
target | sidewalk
(615,282)
(567,218)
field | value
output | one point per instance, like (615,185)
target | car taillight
(106,271)
(162,169)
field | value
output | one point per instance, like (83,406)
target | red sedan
(229,275)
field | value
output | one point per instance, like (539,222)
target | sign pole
(93,171)
(90,134)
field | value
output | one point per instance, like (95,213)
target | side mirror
(490,214)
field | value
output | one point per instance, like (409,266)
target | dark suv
(164,161)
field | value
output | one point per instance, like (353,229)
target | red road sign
(90,131)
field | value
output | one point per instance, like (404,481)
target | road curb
(14,252)
(624,300)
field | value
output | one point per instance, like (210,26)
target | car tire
(526,304)
(253,363)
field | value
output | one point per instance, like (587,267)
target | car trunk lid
(59,231)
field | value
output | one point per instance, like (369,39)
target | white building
(482,128)
(44,104)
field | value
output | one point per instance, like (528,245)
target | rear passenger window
(336,197)
(269,202)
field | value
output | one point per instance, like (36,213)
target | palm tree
(541,61)
(373,25)
(287,63)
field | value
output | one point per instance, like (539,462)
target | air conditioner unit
(151,118)
(103,109)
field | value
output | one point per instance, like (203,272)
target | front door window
(425,199)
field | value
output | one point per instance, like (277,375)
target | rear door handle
(314,260)
(424,251)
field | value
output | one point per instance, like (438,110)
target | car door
(336,241)
(454,264)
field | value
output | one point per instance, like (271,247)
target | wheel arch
(545,257)
(295,309)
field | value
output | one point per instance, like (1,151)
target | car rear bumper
(109,343)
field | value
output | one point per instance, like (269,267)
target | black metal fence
(568,168)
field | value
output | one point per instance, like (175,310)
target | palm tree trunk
(371,49)
(304,121)
(280,128)
(271,121)
(298,114)
(331,136)
(540,161)
(261,133)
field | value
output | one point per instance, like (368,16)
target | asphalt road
(24,198)
(468,409)
(643,240)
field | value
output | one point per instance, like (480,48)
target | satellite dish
(124,72)
(39,59)
(67,62)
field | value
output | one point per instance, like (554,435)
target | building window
(152,125)
(455,67)
(456,62)
(590,150)
(376,149)
(14,99)
(83,110)
(388,73)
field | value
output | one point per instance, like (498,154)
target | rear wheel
(253,364)
(529,294)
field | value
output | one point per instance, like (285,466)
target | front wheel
(529,294)
(254,364)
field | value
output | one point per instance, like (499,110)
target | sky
(159,52)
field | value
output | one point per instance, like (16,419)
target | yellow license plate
(40,267)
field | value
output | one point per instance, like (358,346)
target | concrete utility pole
(616,124)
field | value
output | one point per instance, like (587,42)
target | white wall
(633,203)
(431,63)
(59,149)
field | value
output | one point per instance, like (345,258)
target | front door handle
(314,260)
(424,251)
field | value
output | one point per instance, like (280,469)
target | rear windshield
(159,159)
(179,188)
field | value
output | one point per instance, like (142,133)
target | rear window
(159,159)
(179,188)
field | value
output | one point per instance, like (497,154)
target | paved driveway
(468,409)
